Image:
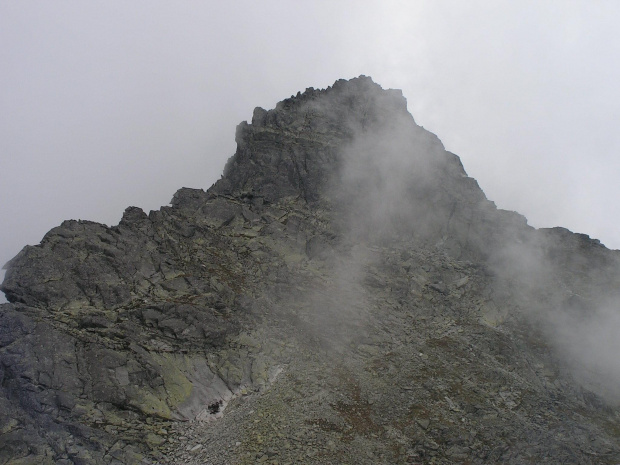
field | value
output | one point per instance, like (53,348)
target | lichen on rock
(345,293)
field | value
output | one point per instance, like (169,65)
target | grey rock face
(344,293)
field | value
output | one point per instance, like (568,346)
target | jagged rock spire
(345,283)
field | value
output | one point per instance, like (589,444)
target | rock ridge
(344,293)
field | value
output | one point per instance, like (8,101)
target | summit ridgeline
(345,293)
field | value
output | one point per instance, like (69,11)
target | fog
(109,104)
(397,187)
(568,292)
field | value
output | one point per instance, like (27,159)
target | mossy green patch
(151,404)
(174,368)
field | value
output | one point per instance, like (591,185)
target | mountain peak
(354,148)
(339,111)
(300,143)
(344,293)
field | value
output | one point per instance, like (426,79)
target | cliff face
(345,292)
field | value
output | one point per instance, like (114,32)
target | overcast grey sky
(106,104)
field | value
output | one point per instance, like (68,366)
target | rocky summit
(344,294)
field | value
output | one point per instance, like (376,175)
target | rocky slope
(345,293)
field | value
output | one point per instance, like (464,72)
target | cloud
(109,104)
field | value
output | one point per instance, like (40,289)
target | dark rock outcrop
(344,293)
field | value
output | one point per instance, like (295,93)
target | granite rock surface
(345,293)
